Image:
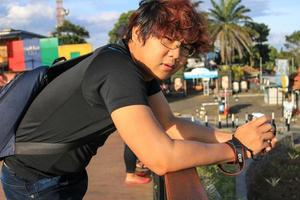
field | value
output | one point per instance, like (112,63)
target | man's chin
(164,77)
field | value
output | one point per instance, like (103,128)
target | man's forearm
(186,130)
(197,154)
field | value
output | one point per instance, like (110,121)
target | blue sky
(99,16)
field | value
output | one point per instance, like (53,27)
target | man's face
(160,61)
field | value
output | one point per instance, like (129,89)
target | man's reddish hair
(177,19)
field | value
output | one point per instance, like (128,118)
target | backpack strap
(40,148)
(43,148)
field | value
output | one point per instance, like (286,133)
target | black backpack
(15,99)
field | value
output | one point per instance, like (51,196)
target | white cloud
(99,25)
(258,7)
(101,17)
(277,39)
(23,15)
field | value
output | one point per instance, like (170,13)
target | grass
(218,185)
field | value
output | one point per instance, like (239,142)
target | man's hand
(257,135)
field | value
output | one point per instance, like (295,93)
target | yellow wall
(3,53)
(67,50)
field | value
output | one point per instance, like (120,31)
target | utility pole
(260,74)
(293,67)
(61,12)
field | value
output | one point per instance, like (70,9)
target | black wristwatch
(240,152)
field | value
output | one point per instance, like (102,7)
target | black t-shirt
(77,105)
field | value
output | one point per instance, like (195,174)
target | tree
(293,41)
(69,33)
(120,27)
(293,46)
(259,34)
(227,30)
(272,56)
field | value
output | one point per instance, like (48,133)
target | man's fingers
(268,145)
(268,135)
(273,142)
(268,149)
(260,121)
(267,127)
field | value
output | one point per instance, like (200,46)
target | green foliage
(226,27)
(238,72)
(293,41)
(216,183)
(120,27)
(277,176)
(273,54)
(259,32)
(269,66)
(69,33)
(293,46)
(224,68)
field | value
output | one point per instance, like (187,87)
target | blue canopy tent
(200,73)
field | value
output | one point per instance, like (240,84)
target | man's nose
(175,53)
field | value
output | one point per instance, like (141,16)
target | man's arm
(178,128)
(145,136)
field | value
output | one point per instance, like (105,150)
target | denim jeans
(55,188)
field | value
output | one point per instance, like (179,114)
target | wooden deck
(106,175)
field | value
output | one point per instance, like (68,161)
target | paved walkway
(106,175)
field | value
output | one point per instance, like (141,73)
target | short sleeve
(153,87)
(114,81)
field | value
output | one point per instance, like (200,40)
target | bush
(276,176)
(217,185)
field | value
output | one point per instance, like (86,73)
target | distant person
(117,88)
(288,107)
(165,88)
(132,176)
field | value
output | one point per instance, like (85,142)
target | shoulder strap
(43,148)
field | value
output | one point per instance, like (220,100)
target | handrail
(182,185)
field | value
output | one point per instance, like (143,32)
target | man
(117,88)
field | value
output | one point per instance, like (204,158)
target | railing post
(184,184)
(159,192)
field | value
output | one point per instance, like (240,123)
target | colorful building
(74,50)
(22,50)
(6,38)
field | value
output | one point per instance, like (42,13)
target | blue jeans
(60,187)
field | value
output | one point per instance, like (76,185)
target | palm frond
(227,19)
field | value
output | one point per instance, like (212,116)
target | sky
(99,16)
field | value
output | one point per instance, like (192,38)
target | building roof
(12,34)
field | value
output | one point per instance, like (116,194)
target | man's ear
(135,37)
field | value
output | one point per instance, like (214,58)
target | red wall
(16,59)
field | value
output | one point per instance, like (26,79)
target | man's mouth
(169,66)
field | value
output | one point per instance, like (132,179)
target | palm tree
(227,30)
